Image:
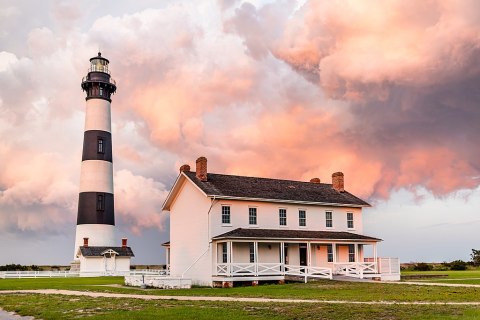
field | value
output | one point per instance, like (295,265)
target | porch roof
(280,234)
(96,251)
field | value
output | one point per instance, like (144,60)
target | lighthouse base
(97,234)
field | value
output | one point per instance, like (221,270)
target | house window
(224,253)
(100,145)
(350,220)
(226,214)
(329,253)
(252,216)
(282,213)
(252,252)
(100,202)
(302,218)
(328,219)
(351,253)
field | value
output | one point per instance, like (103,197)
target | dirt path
(229,299)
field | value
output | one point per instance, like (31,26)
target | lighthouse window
(101,91)
(100,146)
(100,202)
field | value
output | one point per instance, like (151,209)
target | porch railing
(271,269)
(314,272)
(355,269)
(386,265)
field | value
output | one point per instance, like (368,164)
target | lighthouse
(95,231)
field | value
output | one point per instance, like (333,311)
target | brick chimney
(337,181)
(315,180)
(185,167)
(201,172)
(124,242)
(85,242)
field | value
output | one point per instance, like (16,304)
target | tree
(475,257)
(458,265)
(422,266)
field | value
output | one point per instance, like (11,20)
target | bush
(458,265)
(422,266)
(13,267)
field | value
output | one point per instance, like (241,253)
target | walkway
(228,299)
(5,315)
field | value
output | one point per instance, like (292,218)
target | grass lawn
(321,290)
(463,277)
(68,307)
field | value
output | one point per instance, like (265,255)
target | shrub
(458,265)
(422,266)
(13,267)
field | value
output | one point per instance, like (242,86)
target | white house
(226,228)
(103,260)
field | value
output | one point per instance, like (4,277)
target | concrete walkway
(5,315)
(228,299)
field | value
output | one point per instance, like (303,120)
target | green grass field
(68,307)
(461,277)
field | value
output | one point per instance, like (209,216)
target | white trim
(176,188)
(288,201)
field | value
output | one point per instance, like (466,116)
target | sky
(385,91)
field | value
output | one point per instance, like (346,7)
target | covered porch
(275,254)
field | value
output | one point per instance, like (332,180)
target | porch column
(230,256)
(255,256)
(215,257)
(309,254)
(282,257)
(375,258)
(334,249)
(357,256)
(167,260)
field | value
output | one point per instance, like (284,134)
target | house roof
(273,190)
(95,251)
(279,234)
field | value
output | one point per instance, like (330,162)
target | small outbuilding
(104,260)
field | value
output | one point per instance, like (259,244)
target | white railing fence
(355,269)
(70,274)
(36,274)
(271,269)
(386,265)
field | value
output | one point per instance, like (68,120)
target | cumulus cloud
(138,201)
(385,93)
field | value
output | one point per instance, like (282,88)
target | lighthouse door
(110,262)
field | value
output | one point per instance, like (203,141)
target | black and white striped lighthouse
(96,215)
